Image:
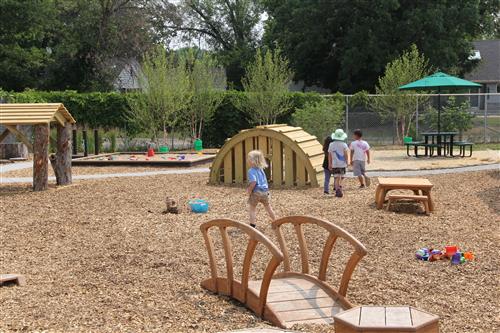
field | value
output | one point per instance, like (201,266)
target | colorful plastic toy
(456,258)
(451,252)
(198,205)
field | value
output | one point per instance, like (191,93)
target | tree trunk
(41,158)
(61,161)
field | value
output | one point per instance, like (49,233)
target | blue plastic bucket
(198,206)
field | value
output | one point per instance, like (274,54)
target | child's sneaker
(367,181)
(362,186)
(326,193)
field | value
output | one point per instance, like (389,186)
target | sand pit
(100,256)
(142,159)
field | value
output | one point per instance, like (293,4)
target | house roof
(488,69)
(33,114)
(128,78)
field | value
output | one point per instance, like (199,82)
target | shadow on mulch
(9,190)
(407,208)
(490,198)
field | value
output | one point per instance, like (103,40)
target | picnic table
(443,140)
(416,185)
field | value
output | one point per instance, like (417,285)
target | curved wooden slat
(304,255)
(349,269)
(327,251)
(211,257)
(228,253)
(247,263)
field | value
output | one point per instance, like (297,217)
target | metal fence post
(416,122)
(347,114)
(485,116)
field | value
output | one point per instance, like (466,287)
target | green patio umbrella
(438,81)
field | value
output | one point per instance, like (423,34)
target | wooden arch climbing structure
(288,297)
(294,156)
(41,116)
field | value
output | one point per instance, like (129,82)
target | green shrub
(320,118)
(111,112)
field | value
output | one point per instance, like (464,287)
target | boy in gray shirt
(360,152)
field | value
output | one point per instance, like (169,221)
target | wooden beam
(20,136)
(41,158)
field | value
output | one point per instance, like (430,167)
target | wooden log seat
(286,298)
(406,197)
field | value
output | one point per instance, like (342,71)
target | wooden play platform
(286,298)
(294,156)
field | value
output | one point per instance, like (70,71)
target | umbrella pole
(439,123)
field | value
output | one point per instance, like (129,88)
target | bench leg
(426,207)
(380,196)
(431,202)
(470,151)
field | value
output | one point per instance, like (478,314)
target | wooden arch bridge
(286,298)
(295,157)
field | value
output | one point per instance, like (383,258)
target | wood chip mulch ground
(99,256)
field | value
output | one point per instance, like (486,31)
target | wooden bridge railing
(229,285)
(334,233)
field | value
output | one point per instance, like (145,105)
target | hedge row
(110,109)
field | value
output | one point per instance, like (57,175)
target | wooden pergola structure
(40,116)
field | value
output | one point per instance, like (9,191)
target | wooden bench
(289,297)
(407,197)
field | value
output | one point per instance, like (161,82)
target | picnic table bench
(419,186)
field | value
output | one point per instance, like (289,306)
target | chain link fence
(480,111)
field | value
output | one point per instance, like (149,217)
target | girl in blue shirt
(258,189)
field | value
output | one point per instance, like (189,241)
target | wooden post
(75,141)
(96,142)
(85,143)
(61,162)
(41,158)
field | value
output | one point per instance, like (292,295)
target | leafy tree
(70,44)
(167,92)
(208,81)
(266,86)
(229,27)
(345,44)
(26,31)
(454,117)
(322,117)
(394,103)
